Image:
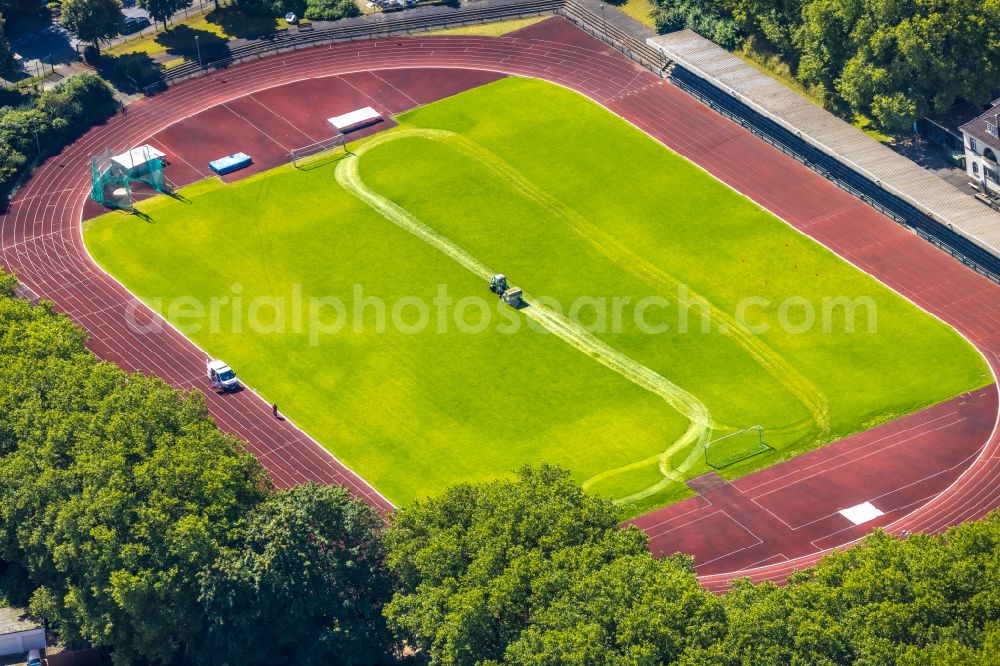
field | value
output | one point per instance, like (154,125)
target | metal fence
(197,7)
(370,27)
(849,180)
(391,25)
(598,26)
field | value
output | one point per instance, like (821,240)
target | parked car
(35,658)
(221,376)
(135,24)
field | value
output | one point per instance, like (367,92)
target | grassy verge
(211,28)
(640,10)
(529,189)
(866,125)
(495,29)
(772,65)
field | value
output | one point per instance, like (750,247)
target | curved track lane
(40,236)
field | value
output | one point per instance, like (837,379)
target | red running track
(40,240)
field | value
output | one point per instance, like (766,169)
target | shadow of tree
(180,40)
(12,97)
(240,25)
(129,72)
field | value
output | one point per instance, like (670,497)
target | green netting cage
(114,176)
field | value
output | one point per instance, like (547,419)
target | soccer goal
(317,153)
(735,447)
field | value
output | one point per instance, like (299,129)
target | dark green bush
(57,116)
(129,520)
(272,8)
(91,55)
(331,10)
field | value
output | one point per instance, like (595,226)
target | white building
(982,146)
(18,635)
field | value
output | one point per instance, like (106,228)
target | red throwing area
(793,509)
(926,472)
(270,123)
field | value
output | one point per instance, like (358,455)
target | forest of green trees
(892,60)
(129,521)
(34,125)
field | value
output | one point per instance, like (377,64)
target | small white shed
(18,634)
(138,161)
(356,119)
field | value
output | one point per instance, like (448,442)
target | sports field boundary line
(260,399)
(994,369)
(737,550)
(874,442)
(401,92)
(910,435)
(197,170)
(964,463)
(992,365)
(274,113)
(252,124)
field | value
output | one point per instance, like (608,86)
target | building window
(972,145)
(975,168)
(991,174)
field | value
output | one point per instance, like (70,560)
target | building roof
(13,620)
(895,173)
(137,157)
(349,120)
(958,115)
(977,127)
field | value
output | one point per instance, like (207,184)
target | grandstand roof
(14,620)
(895,173)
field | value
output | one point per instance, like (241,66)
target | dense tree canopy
(162,10)
(92,21)
(535,571)
(7,64)
(305,585)
(920,600)
(50,120)
(894,60)
(128,519)
(316,10)
(330,10)
(114,490)
(13,8)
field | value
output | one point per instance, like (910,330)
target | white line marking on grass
(773,363)
(699,428)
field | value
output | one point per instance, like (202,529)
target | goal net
(114,177)
(317,153)
(735,447)
(109,186)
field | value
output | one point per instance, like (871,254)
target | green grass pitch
(575,206)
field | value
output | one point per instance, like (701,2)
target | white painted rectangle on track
(861,513)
